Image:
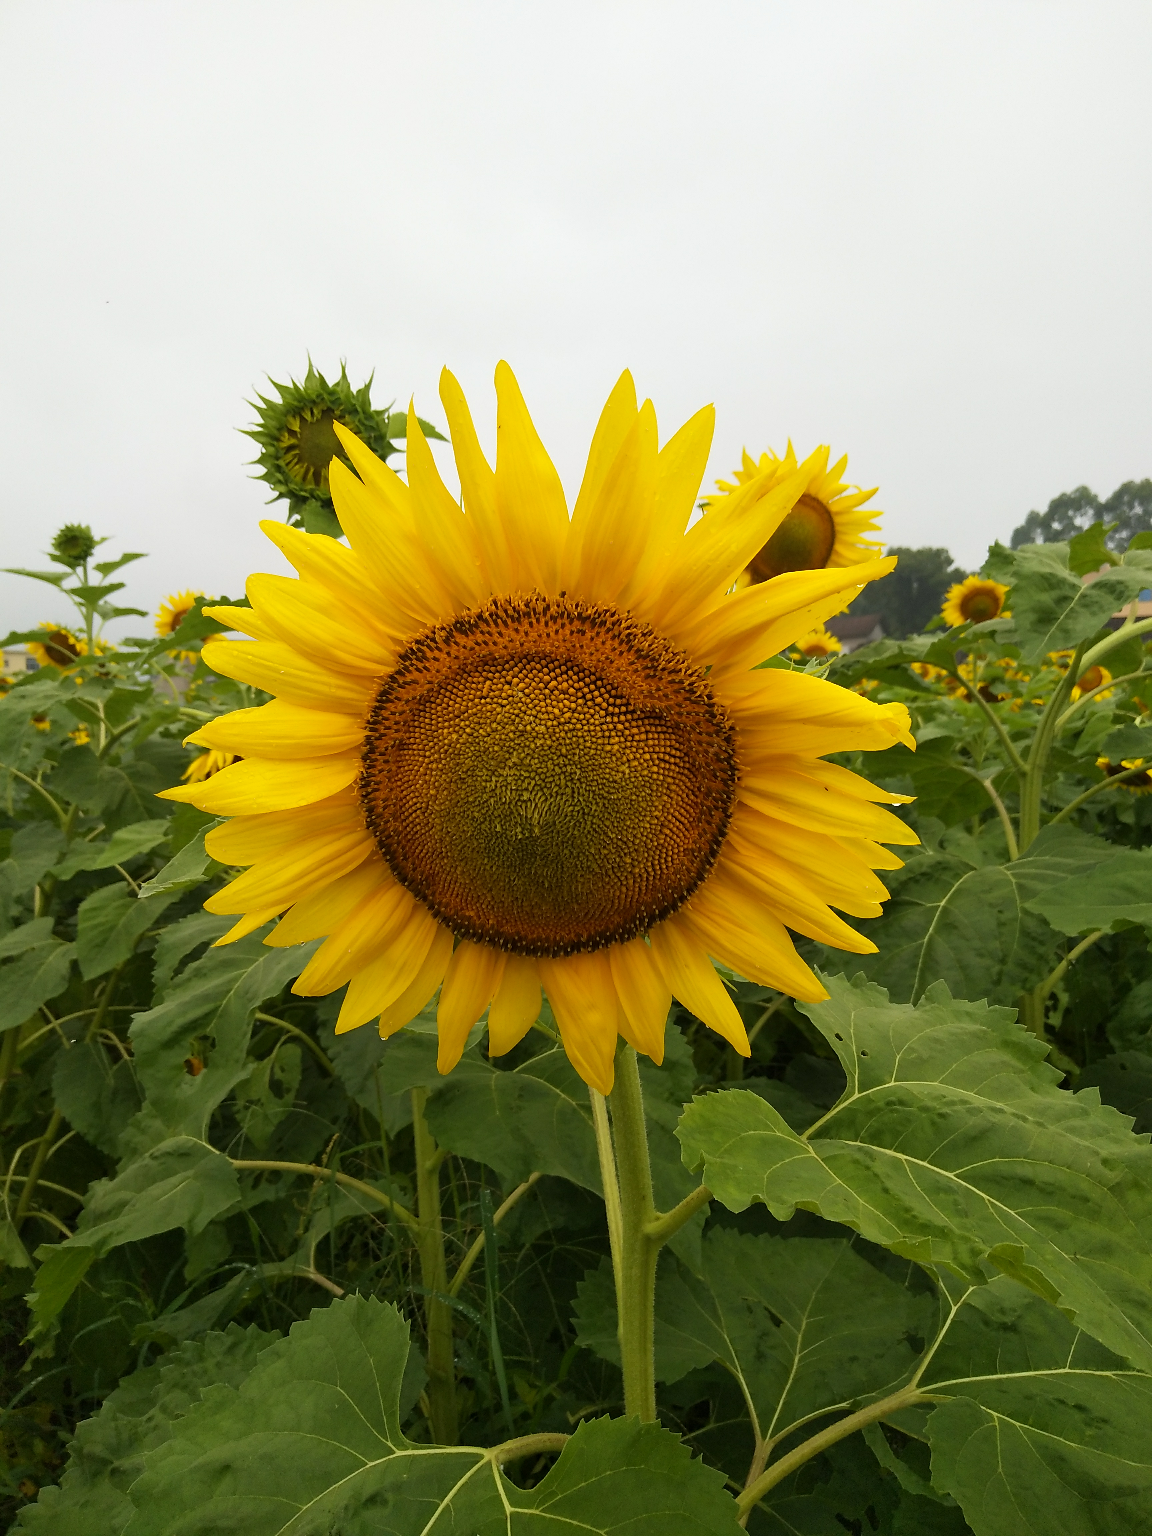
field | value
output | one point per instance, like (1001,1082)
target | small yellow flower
(208,763)
(818,643)
(928,672)
(173,611)
(80,736)
(42,722)
(826,525)
(59,647)
(973,600)
(1141,784)
(1091,679)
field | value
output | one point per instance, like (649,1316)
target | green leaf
(106,567)
(186,869)
(27,936)
(39,975)
(35,849)
(806,1325)
(953,1145)
(1124,1080)
(180,1183)
(311,1443)
(1087,551)
(215,996)
(127,843)
(267,1093)
(106,1454)
(109,925)
(178,940)
(1126,741)
(1041,1431)
(1053,609)
(96,1095)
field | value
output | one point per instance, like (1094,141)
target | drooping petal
(472,979)
(419,992)
(586,1008)
(369,929)
(390,974)
(691,977)
(645,996)
(516,1006)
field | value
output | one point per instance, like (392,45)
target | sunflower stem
(434,1273)
(639,1248)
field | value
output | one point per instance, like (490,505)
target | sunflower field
(514,1030)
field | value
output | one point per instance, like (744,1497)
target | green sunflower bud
(73,545)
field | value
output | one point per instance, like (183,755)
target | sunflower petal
(516,1006)
(256,785)
(304,616)
(278,669)
(692,978)
(617,420)
(390,974)
(281,730)
(619,518)
(447,534)
(477,485)
(586,1008)
(247,924)
(419,992)
(645,997)
(528,491)
(471,982)
(368,930)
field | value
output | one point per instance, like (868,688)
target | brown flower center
(980,604)
(803,542)
(548,776)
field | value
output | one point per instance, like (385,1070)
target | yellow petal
(586,1008)
(528,491)
(377,517)
(691,977)
(249,838)
(788,894)
(516,1006)
(370,929)
(245,620)
(645,997)
(808,803)
(737,930)
(339,570)
(477,485)
(619,519)
(255,785)
(390,974)
(319,914)
(419,992)
(473,976)
(247,924)
(280,670)
(280,729)
(617,420)
(305,617)
(448,536)
(284,879)
(679,471)
(778,712)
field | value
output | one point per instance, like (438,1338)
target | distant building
(17,660)
(855,629)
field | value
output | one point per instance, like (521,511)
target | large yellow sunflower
(973,600)
(514,751)
(825,526)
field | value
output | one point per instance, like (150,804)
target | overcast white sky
(919,232)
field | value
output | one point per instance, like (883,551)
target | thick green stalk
(636,1291)
(434,1272)
(1032,782)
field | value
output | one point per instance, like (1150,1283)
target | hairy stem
(313,1170)
(994,721)
(434,1272)
(907,1397)
(636,1291)
(1032,784)
(608,1180)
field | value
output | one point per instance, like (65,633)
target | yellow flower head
(973,600)
(208,763)
(173,611)
(1138,784)
(59,647)
(514,750)
(818,642)
(81,735)
(825,526)
(1091,679)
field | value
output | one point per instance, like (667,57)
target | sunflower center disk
(803,542)
(548,776)
(979,606)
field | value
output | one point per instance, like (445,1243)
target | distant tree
(1129,507)
(913,593)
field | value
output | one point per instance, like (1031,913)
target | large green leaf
(109,925)
(180,1183)
(107,1453)
(214,997)
(127,843)
(96,1094)
(310,1443)
(953,1145)
(35,977)
(1040,1431)
(1052,608)
(187,868)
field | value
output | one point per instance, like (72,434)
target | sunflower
(826,525)
(59,647)
(512,751)
(1090,679)
(298,441)
(174,610)
(208,763)
(973,600)
(818,642)
(81,735)
(1140,784)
